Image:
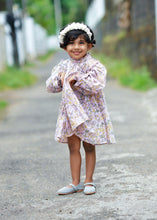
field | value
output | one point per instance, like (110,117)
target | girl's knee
(74,148)
(74,144)
(88,147)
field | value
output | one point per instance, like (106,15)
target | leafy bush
(139,79)
(3,104)
(121,69)
(13,78)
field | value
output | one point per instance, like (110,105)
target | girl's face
(78,48)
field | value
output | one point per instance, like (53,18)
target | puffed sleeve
(92,81)
(53,83)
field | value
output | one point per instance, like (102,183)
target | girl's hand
(72,80)
(62,75)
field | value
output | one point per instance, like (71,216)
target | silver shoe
(90,188)
(68,190)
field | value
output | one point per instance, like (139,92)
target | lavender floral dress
(83,109)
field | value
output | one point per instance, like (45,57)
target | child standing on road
(83,115)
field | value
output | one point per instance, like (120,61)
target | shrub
(122,70)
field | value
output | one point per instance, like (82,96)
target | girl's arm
(93,81)
(54,82)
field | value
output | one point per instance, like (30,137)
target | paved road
(33,166)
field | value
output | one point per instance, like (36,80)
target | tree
(2,5)
(43,12)
(73,10)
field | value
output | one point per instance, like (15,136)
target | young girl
(83,115)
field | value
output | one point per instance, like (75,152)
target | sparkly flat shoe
(68,190)
(90,188)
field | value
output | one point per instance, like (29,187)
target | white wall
(36,39)
(8,43)
(9,46)
(40,40)
(32,40)
(20,45)
(53,42)
(2,48)
(95,13)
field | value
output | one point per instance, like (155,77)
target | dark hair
(74,34)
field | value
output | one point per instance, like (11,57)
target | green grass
(3,104)
(122,70)
(13,78)
(46,56)
(110,38)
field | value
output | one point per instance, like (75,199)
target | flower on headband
(74,26)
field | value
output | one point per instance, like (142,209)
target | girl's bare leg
(74,144)
(90,161)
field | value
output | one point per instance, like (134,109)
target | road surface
(33,166)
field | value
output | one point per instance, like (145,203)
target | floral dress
(83,109)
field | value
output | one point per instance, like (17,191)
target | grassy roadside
(3,104)
(47,55)
(14,78)
(122,70)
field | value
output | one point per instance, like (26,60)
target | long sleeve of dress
(92,81)
(53,83)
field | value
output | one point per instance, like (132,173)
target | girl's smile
(78,48)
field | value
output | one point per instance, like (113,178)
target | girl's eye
(82,42)
(71,42)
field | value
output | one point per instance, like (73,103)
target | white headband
(74,26)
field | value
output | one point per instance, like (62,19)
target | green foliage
(43,12)
(14,78)
(3,104)
(73,10)
(113,38)
(139,79)
(47,55)
(121,69)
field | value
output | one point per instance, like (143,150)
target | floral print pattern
(83,109)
